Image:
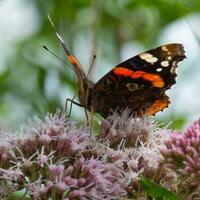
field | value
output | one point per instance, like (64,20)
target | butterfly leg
(86,114)
(71,102)
(70,109)
(90,122)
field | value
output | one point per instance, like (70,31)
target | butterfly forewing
(161,61)
(139,83)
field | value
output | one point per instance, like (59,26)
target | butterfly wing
(139,83)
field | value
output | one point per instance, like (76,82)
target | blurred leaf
(178,122)
(20,194)
(156,191)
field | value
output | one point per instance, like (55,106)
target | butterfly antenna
(70,57)
(57,57)
(91,65)
(59,37)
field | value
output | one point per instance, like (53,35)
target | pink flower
(182,153)
(132,144)
(53,159)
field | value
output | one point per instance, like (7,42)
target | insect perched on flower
(138,83)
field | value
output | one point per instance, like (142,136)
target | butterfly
(138,83)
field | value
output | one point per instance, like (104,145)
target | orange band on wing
(158,105)
(155,79)
(137,74)
(123,71)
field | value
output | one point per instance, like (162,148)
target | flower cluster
(58,159)
(133,144)
(52,159)
(182,153)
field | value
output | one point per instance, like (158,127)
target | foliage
(156,191)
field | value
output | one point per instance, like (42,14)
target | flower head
(133,144)
(181,161)
(182,151)
(53,159)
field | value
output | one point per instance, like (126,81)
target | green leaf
(156,191)
(20,194)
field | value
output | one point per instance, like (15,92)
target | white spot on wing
(173,69)
(165,63)
(144,56)
(164,48)
(169,57)
(152,60)
(148,57)
(159,69)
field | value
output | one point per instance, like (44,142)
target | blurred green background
(33,82)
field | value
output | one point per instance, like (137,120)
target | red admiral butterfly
(138,83)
